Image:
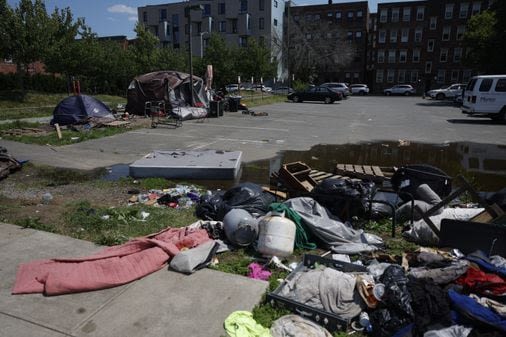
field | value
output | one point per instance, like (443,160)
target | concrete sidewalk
(162,304)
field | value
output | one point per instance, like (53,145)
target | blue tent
(77,109)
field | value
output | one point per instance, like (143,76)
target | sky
(118,17)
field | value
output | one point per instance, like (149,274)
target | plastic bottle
(277,235)
(364,321)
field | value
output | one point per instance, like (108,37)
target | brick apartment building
(344,23)
(236,21)
(420,43)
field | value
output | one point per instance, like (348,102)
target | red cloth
(108,268)
(477,281)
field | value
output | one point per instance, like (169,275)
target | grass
(51,138)
(112,226)
(254,101)
(34,104)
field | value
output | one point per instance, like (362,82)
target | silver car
(449,92)
(400,89)
(359,89)
(339,87)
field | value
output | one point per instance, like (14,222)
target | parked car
(232,87)
(485,96)
(261,87)
(400,89)
(359,89)
(340,87)
(449,92)
(282,91)
(320,93)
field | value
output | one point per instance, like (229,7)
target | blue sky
(118,17)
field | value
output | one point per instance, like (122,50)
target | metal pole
(190,52)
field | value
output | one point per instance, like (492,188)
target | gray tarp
(188,261)
(293,325)
(340,237)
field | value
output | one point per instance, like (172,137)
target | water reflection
(483,164)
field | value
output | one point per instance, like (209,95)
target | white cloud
(132,18)
(120,8)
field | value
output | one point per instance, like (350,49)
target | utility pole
(288,42)
(187,12)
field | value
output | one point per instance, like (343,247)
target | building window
(308,36)
(418,34)
(379,76)
(420,13)
(433,22)
(381,56)
(406,14)
(430,45)
(457,55)
(145,16)
(349,36)
(441,76)
(391,56)
(358,35)
(416,55)
(460,32)
(455,75)
(383,15)
(350,16)
(244,6)
(275,4)
(221,8)
(476,7)
(339,15)
(464,9)
(390,75)
(402,76)
(243,41)
(261,23)
(446,33)
(403,55)
(275,22)
(317,17)
(234,26)
(261,5)
(222,26)
(329,35)
(309,17)
(360,14)
(163,15)
(449,11)
(296,18)
(395,14)
(330,14)
(393,36)
(175,20)
(207,10)
(199,27)
(414,76)
(382,36)
(405,35)
(356,75)
(347,76)
(428,67)
(443,56)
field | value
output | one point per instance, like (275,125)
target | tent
(171,87)
(78,109)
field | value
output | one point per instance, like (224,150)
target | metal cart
(160,116)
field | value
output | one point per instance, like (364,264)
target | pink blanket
(108,268)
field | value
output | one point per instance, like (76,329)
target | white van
(485,96)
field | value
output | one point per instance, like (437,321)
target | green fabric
(242,324)
(301,234)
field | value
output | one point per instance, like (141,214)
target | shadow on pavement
(438,103)
(476,121)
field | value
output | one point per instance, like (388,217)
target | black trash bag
(344,198)
(247,196)
(395,310)
(498,198)
(430,304)
(407,179)
(397,296)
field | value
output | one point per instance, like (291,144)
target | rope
(301,233)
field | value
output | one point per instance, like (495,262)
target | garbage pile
(181,196)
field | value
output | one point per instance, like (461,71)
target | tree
(313,48)
(254,60)
(485,37)
(220,56)
(145,50)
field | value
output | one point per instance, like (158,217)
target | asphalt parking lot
(288,126)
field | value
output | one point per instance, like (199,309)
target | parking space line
(240,127)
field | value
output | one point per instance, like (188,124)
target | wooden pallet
(374,173)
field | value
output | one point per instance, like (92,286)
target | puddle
(482,164)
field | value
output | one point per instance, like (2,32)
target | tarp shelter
(78,109)
(171,87)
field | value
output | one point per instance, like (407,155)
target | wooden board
(117,123)
(374,173)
